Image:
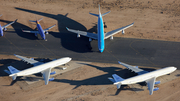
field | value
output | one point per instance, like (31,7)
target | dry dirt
(154,19)
(87,83)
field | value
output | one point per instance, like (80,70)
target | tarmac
(140,52)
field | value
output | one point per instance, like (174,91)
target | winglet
(67,28)
(15,20)
(119,62)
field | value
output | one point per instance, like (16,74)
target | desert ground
(86,83)
(154,20)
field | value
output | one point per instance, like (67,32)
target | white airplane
(148,77)
(44,68)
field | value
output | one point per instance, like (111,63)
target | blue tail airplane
(100,36)
(40,30)
(3,28)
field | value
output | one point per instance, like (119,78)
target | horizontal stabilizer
(13,70)
(94,14)
(106,13)
(54,72)
(118,85)
(117,78)
(51,79)
(155,89)
(111,79)
(8,72)
(157,82)
(36,20)
(13,76)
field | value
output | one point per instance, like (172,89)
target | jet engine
(157,82)
(155,89)
(111,38)
(35,34)
(54,72)
(123,32)
(5,29)
(78,35)
(46,32)
(51,79)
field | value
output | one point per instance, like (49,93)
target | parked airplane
(44,68)
(40,30)
(3,28)
(148,77)
(100,36)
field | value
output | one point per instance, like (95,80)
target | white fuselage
(44,66)
(146,76)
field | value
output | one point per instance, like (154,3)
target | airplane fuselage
(1,31)
(100,34)
(40,30)
(146,76)
(43,67)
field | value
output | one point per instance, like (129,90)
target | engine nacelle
(54,72)
(157,82)
(5,29)
(136,66)
(123,32)
(111,38)
(78,35)
(90,39)
(51,79)
(46,32)
(35,34)
(155,89)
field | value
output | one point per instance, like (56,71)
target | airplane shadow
(67,39)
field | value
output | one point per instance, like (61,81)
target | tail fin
(117,80)
(13,70)
(36,20)
(0,15)
(99,13)
(13,76)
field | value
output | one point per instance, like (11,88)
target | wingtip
(119,62)
(15,20)
(67,28)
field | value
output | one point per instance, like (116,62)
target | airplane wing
(8,24)
(150,84)
(134,68)
(49,28)
(46,74)
(30,31)
(87,34)
(113,32)
(29,60)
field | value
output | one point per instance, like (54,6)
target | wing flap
(87,34)
(113,32)
(28,60)
(30,31)
(46,74)
(134,68)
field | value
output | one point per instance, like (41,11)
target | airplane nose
(101,50)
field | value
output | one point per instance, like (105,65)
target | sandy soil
(157,20)
(87,83)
